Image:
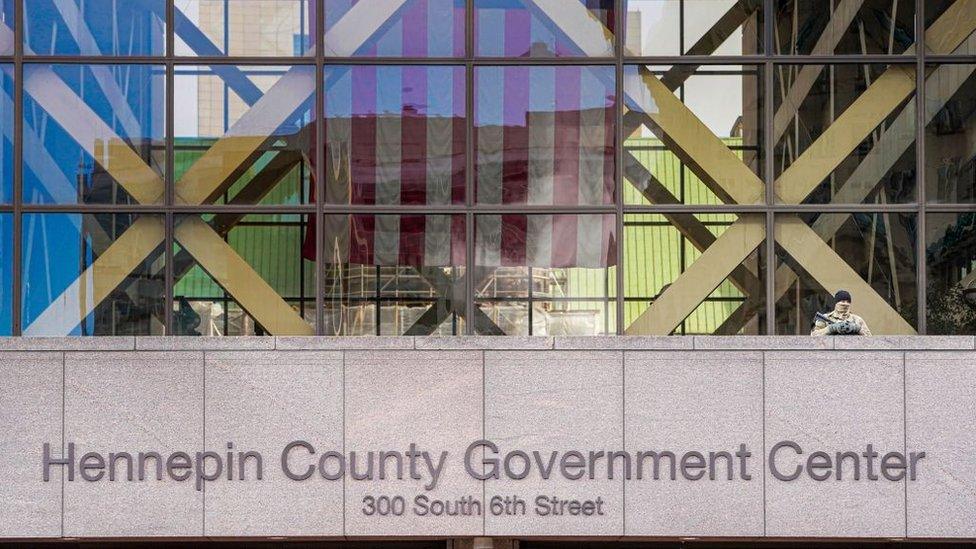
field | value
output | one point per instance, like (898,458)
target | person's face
(843,307)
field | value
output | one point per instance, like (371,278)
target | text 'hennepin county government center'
(487,274)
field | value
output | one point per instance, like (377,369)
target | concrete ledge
(483,342)
(624,343)
(332,343)
(907,343)
(204,343)
(98,343)
(759,343)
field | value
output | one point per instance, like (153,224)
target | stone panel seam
(904,418)
(764,440)
(63,390)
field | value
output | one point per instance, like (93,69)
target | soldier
(840,321)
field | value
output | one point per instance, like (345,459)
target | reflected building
(653,167)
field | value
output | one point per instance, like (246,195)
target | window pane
(409,268)
(544,28)
(394,135)
(231,149)
(7,27)
(693,136)
(94,27)
(420,28)
(950,136)
(668,291)
(950,254)
(693,27)
(827,28)
(244,275)
(94,134)
(545,135)
(93,274)
(845,133)
(544,274)
(871,255)
(6,274)
(252,28)
(949,28)
(7,124)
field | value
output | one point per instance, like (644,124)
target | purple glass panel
(544,28)
(419,28)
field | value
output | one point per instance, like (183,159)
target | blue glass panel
(419,28)
(563,28)
(95,27)
(94,134)
(59,283)
(7,123)
(6,267)
(244,27)
(6,27)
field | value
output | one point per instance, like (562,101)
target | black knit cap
(842,295)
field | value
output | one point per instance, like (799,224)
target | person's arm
(865,331)
(820,328)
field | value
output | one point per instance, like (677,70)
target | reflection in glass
(7,139)
(545,135)
(94,134)
(659,249)
(949,29)
(693,135)
(94,27)
(844,133)
(6,274)
(420,28)
(7,27)
(544,274)
(393,274)
(693,27)
(950,136)
(92,274)
(544,28)
(251,28)
(230,152)
(394,135)
(950,255)
(819,254)
(261,283)
(826,28)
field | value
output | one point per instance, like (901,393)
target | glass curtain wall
(518,167)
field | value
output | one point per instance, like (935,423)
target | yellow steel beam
(239,279)
(831,272)
(704,275)
(100,278)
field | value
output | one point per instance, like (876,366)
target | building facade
(428,172)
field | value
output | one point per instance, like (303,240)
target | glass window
(544,28)
(94,27)
(7,27)
(693,135)
(671,287)
(394,135)
(872,27)
(545,274)
(545,135)
(844,133)
(92,274)
(251,28)
(693,27)
(949,27)
(243,134)
(6,274)
(871,255)
(244,275)
(950,135)
(7,139)
(94,134)
(950,255)
(410,28)
(394,274)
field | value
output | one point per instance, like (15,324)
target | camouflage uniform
(821,328)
